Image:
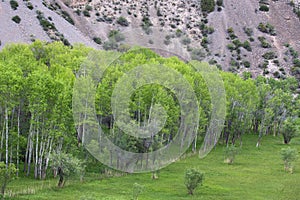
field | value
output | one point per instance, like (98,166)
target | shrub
(231,33)
(207,5)
(197,54)
(146,23)
(264,8)
(67,17)
(14,4)
(296,62)
(178,33)
(248,31)
(192,179)
(86,13)
(269,55)
(97,40)
(289,155)
(267,28)
(16,19)
(122,21)
(116,35)
(219,2)
(264,42)
(110,45)
(6,175)
(246,64)
(186,41)
(289,130)
(230,153)
(88,8)
(29,5)
(137,190)
(247,46)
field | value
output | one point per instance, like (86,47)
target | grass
(257,173)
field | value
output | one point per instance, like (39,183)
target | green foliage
(67,17)
(289,155)
(247,46)
(230,154)
(14,4)
(16,19)
(264,42)
(7,174)
(192,179)
(264,8)
(146,24)
(116,36)
(207,5)
(267,28)
(290,129)
(248,31)
(269,55)
(219,2)
(137,191)
(97,40)
(186,41)
(86,13)
(44,22)
(66,165)
(122,21)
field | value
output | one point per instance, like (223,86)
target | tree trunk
(6,137)
(18,141)
(61,177)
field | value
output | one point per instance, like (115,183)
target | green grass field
(256,174)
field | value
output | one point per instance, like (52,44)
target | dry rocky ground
(228,36)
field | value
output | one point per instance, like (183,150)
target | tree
(289,155)
(230,153)
(193,178)
(6,175)
(289,130)
(66,165)
(137,190)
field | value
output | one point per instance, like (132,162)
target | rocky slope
(240,36)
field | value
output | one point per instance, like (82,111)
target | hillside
(227,36)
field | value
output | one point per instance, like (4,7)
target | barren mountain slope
(228,36)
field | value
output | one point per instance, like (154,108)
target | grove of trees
(36,119)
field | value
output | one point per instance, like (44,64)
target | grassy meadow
(257,173)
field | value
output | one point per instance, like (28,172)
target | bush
(269,55)
(97,40)
(247,46)
(116,36)
(248,31)
(88,8)
(122,21)
(86,13)
(208,5)
(192,179)
(246,64)
(137,190)
(289,130)
(230,153)
(110,45)
(29,5)
(219,2)
(6,175)
(14,4)
(16,19)
(186,41)
(264,8)
(197,54)
(289,155)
